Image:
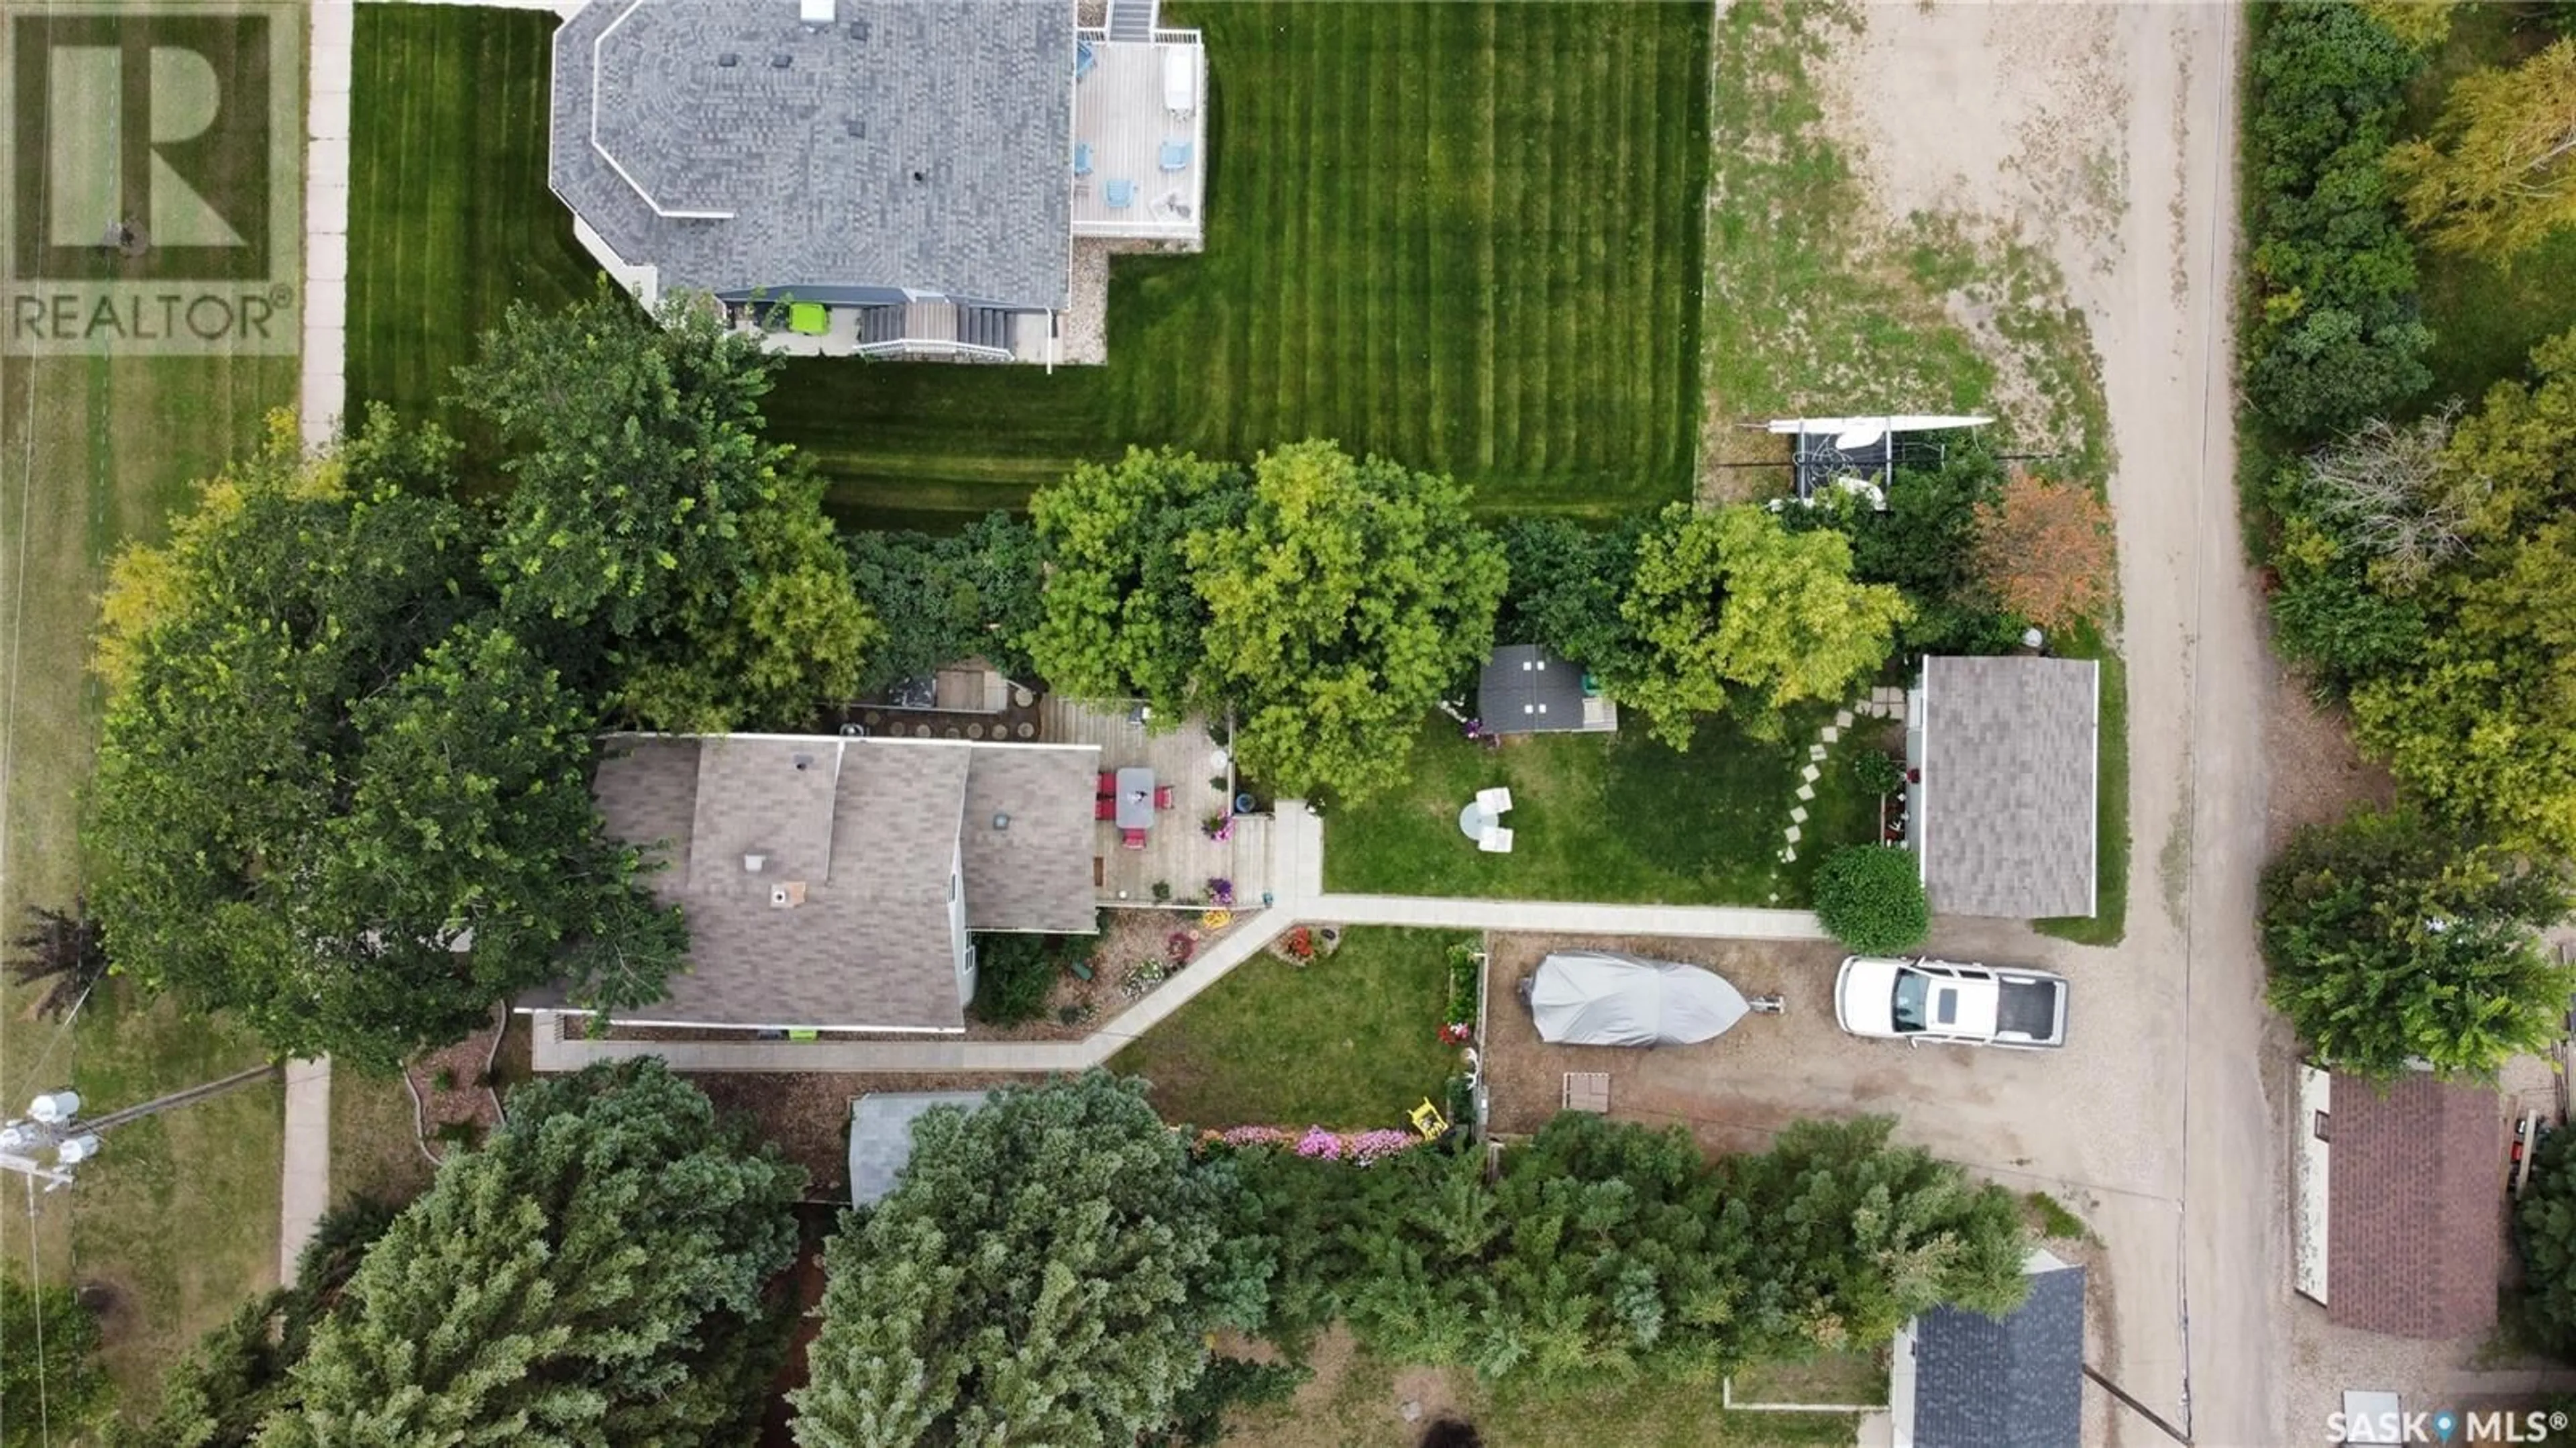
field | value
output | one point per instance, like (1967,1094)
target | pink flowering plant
(1315,1143)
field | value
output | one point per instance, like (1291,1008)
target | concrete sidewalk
(305,1178)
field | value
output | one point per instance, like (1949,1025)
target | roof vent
(729,59)
(787,896)
(858,30)
(781,61)
(920,175)
(1001,821)
(858,130)
(804,761)
(751,864)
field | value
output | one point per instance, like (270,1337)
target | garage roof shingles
(2415,1215)
(2009,748)
(2014,1383)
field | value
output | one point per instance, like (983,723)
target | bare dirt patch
(2317,773)
(807,1113)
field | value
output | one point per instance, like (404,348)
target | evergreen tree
(1046,1272)
(598,1273)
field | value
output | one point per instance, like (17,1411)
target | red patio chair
(1162,796)
(1104,809)
(1108,783)
(1132,839)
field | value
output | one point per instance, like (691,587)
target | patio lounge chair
(1131,839)
(1118,195)
(1176,155)
(1497,800)
(1495,840)
(1082,158)
(1104,809)
(1162,796)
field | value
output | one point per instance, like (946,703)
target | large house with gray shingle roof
(2002,760)
(832,883)
(875,177)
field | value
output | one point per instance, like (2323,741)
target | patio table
(1473,821)
(1135,799)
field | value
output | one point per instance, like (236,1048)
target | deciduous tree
(332,795)
(54,1394)
(1046,1271)
(2044,548)
(2392,938)
(1731,599)
(1566,581)
(2498,172)
(942,599)
(1348,597)
(649,523)
(597,1272)
(1122,616)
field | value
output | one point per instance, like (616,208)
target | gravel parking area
(2081,1123)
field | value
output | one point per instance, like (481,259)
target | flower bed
(1359,1148)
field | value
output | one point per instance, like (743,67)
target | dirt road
(2105,135)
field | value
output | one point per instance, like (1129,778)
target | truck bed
(2028,1009)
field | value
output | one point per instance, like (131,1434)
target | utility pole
(53,1124)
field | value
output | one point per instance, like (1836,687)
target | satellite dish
(1859,437)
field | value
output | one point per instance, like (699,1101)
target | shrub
(1878,771)
(2044,548)
(1014,973)
(2337,339)
(1871,898)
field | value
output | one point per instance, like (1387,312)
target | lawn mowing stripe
(1686,283)
(1538,418)
(1601,320)
(1356,286)
(1296,301)
(1265,201)
(1487,279)
(1637,323)
(1511,225)
(1394,153)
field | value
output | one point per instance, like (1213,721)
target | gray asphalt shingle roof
(904,145)
(869,832)
(2009,765)
(2017,1383)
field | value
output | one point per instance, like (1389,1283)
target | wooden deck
(1178,851)
(1118,111)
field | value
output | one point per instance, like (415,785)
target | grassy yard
(1810,307)
(375,1140)
(1348,1042)
(1354,1400)
(1458,234)
(179,1218)
(449,216)
(2110,918)
(1600,818)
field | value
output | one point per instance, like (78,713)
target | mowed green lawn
(1351,1041)
(1598,817)
(1463,235)
(179,1218)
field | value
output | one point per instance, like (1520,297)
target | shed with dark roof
(1965,1380)
(2415,1214)
(2001,809)
(1531,689)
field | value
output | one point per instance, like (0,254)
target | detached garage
(2001,761)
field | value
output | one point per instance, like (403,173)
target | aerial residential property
(1438,723)
(875,178)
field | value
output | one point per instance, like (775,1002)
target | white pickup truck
(1946,1003)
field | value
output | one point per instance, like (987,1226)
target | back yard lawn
(1619,818)
(1351,1041)
(1462,235)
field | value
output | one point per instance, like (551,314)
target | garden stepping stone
(1806,792)
(1798,814)
(1842,718)
(1815,751)
(1808,774)
(1793,834)
(1788,855)
(1830,734)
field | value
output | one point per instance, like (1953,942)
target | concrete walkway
(304,1187)
(1297,894)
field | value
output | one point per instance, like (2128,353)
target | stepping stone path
(1882,703)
